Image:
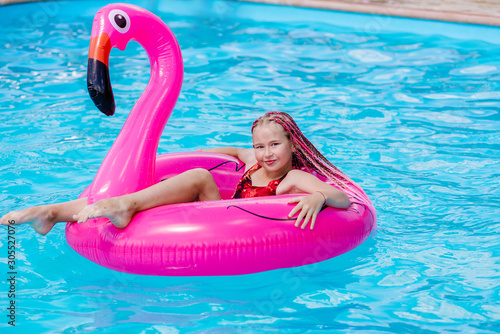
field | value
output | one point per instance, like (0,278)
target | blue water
(409,109)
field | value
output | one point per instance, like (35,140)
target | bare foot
(41,218)
(116,209)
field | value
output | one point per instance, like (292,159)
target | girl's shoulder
(294,182)
(301,173)
(302,176)
(296,175)
(300,181)
(247,156)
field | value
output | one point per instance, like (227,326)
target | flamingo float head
(114,26)
(130,164)
(111,28)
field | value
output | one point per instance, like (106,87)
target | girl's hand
(309,206)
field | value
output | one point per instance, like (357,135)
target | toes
(83,215)
(89,212)
(9,219)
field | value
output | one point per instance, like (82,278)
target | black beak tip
(99,87)
(106,111)
(104,102)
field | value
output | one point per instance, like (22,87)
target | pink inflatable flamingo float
(227,237)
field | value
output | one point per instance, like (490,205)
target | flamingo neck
(129,165)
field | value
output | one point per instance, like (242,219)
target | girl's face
(273,149)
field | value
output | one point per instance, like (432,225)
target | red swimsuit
(245,189)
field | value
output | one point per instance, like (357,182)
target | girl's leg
(190,186)
(43,218)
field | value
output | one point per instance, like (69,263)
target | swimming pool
(412,116)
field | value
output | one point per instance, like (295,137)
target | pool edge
(388,10)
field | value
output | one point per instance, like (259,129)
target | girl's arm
(320,193)
(232,151)
(246,155)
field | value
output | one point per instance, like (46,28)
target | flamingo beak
(98,82)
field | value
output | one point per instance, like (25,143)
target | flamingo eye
(119,20)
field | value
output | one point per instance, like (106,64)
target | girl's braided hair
(305,155)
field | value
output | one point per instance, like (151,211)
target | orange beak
(98,82)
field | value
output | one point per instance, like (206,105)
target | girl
(275,165)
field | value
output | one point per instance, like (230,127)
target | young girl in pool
(274,164)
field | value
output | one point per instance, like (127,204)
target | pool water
(409,109)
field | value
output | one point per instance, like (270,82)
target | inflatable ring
(226,237)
